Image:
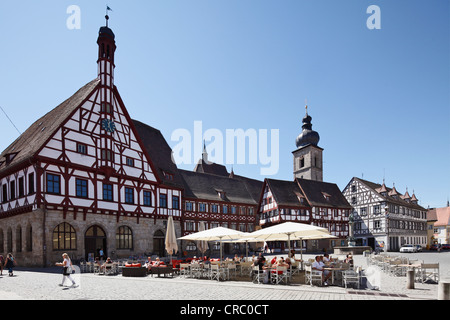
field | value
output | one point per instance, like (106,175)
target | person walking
(67,269)
(2,261)
(10,263)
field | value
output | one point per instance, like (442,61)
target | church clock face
(108,125)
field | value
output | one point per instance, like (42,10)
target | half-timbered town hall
(82,179)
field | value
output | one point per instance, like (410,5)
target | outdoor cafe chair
(295,267)
(258,276)
(109,269)
(312,275)
(83,266)
(350,277)
(246,267)
(196,270)
(427,271)
(231,268)
(280,274)
(98,269)
(216,272)
(185,269)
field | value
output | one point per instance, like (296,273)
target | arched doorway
(94,242)
(158,243)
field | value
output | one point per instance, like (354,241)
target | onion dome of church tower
(308,136)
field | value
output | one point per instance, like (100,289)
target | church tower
(308,162)
(106,49)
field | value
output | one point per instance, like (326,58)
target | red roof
(443,217)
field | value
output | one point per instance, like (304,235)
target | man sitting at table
(326,258)
(261,264)
(319,265)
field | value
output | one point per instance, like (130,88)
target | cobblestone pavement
(42,284)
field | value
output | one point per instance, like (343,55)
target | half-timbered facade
(306,201)
(81,179)
(383,217)
(216,198)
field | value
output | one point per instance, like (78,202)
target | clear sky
(379,98)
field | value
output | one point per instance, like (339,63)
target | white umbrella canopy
(215,234)
(171,239)
(289,231)
(244,240)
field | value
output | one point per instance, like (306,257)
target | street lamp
(386,210)
(351,238)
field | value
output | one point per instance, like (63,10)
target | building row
(87,177)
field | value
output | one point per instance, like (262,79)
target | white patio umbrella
(246,241)
(202,245)
(288,231)
(215,234)
(171,239)
(316,237)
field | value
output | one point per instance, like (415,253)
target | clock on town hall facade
(108,125)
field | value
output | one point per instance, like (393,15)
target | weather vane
(106,16)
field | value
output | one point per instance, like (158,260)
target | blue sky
(378,98)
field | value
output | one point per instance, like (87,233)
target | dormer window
(168,175)
(9,157)
(326,196)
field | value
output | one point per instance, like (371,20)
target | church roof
(32,140)
(211,168)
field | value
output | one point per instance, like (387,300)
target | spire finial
(107,16)
(306,105)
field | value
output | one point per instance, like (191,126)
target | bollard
(410,279)
(444,290)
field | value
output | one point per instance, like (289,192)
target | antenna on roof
(10,120)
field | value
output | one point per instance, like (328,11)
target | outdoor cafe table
(410,266)
(335,270)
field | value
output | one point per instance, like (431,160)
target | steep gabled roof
(205,186)
(160,154)
(254,187)
(33,139)
(286,193)
(443,217)
(398,200)
(211,168)
(314,192)
(431,215)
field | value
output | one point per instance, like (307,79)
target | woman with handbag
(67,269)
(10,263)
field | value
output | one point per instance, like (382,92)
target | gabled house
(86,177)
(385,218)
(306,201)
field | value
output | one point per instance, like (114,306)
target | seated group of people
(156,263)
(265,267)
(322,261)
